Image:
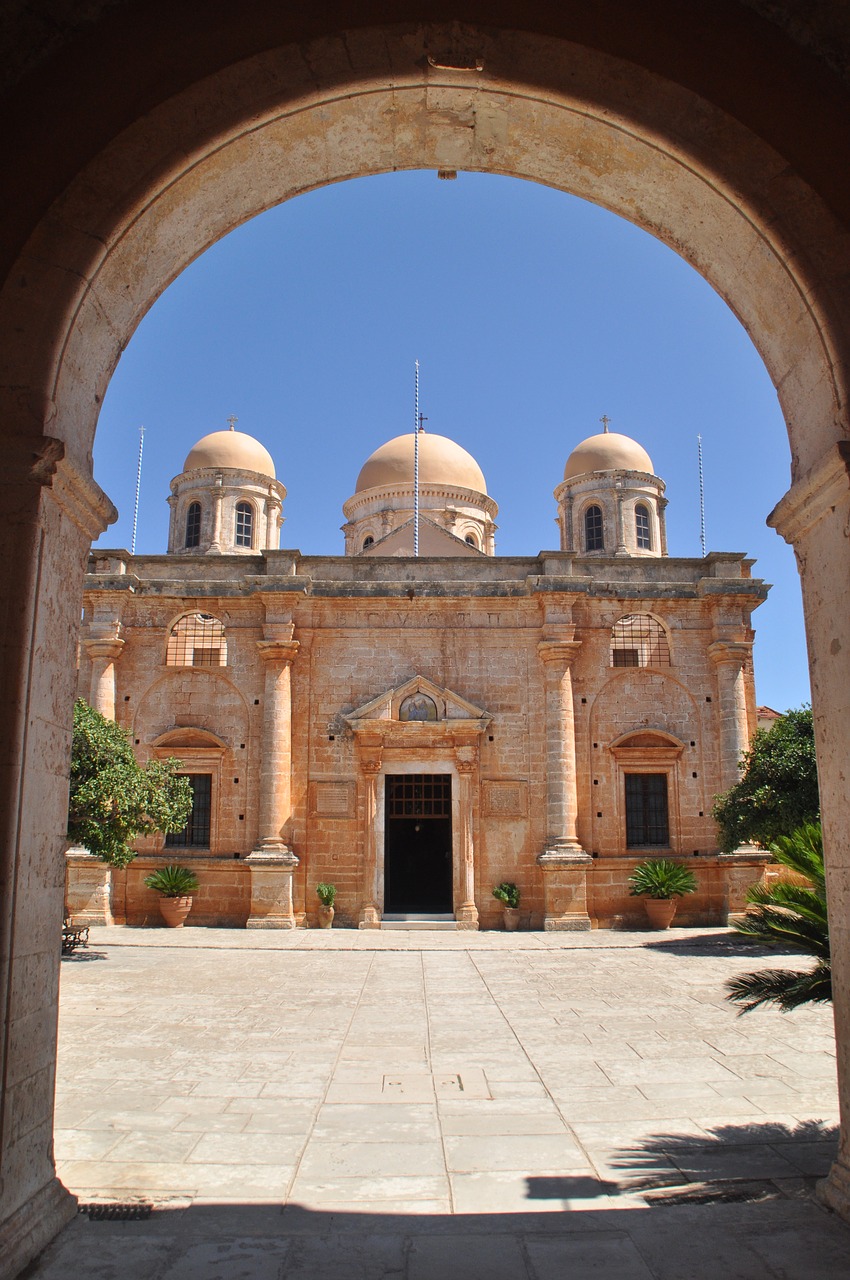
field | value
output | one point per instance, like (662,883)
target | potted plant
(660,881)
(508,895)
(327,893)
(175,886)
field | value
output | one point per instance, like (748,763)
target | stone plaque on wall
(505,799)
(333,799)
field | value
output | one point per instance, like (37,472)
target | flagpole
(416,426)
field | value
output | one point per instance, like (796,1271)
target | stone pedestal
(741,869)
(271,889)
(88,888)
(565,889)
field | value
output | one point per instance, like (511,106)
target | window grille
(196,833)
(639,640)
(197,640)
(419,795)
(646,810)
(642,529)
(368,541)
(594,537)
(244,524)
(193,525)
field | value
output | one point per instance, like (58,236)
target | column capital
(558,652)
(731,651)
(102,647)
(281,651)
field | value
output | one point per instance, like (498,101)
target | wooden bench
(73,936)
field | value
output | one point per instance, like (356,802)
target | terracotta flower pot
(174,911)
(511,918)
(326,916)
(660,911)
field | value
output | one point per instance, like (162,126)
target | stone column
(218,495)
(466,915)
(104,653)
(814,518)
(729,658)
(51,511)
(662,524)
(370,912)
(88,885)
(741,869)
(273,509)
(622,549)
(564,863)
(272,863)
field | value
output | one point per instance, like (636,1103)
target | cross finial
(605,420)
(233,421)
(422,419)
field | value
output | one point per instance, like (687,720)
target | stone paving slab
(322,1103)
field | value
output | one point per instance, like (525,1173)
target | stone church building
(416,728)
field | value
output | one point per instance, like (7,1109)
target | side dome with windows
(227,499)
(610,502)
(456,514)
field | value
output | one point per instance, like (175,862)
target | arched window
(244,524)
(193,525)
(368,541)
(639,640)
(594,539)
(197,640)
(643,535)
(471,540)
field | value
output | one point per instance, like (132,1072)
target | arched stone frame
(199,751)
(581,512)
(241,500)
(652,514)
(648,750)
(709,164)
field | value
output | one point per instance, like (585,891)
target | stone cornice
(80,499)
(814,495)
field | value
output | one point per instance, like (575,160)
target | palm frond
(788,988)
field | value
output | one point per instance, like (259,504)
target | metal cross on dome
(605,420)
(233,421)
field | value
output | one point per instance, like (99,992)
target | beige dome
(232,449)
(441,462)
(608,451)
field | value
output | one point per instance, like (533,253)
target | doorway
(418,843)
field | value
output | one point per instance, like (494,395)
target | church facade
(417,728)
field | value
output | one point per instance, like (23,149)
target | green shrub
(327,893)
(662,878)
(508,894)
(173,881)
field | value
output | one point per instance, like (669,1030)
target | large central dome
(441,462)
(232,449)
(608,451)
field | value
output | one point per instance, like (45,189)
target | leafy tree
(113,798)
(778,790)
(789,914)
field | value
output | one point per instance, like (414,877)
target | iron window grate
(639,640)
(646,811)
(196,833)
(419,795)
(197,640)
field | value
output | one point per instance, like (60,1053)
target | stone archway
(623,118)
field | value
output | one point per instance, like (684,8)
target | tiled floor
(434,1105)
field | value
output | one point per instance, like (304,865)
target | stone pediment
(433,541)
(451,711)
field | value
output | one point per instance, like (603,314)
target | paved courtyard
(422,1105)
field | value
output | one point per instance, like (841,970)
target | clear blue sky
(531,312)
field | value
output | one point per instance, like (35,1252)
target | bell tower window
(643,535)
(594,539)
(244,524)
(193,525)
(368,541)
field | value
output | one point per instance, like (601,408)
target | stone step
(418,920)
